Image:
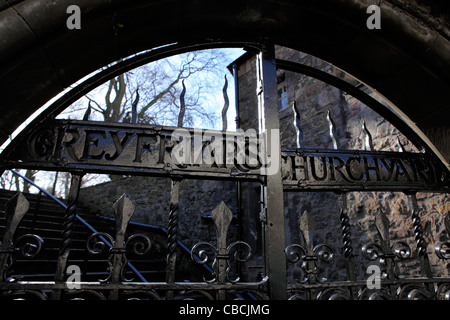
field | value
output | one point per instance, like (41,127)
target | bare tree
(154,90)
(10,181)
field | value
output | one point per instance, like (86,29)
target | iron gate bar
(222,253)
(176,286)
(418,232)
(69,220)
(442,285)
(272,190)
(172,235)
(442,249)
(343,217)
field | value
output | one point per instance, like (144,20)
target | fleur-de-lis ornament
(100,241)
(28,245)
(310,254)
(222,254)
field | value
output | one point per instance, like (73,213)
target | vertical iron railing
(221,254)
(123,211)
(272,191)
(172,235)
(343,215)
(68,224)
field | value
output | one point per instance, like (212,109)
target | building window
(282,93)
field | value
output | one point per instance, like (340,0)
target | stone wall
(151,196)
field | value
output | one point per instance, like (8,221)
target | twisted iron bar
(346,235)
(418,233)
(69,220)
(172,229)
(172,235)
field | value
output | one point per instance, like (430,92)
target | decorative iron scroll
(442,249)
(27,245)
(222,254)
(383,254)
(140,243)
(309,254)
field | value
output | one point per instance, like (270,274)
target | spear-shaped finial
(333,134)
(297,125)
(182,106)
(88,112)
(401,148)
(368,144)
(225,106)
(307,227)
(134,117)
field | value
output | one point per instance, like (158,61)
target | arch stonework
(407,60)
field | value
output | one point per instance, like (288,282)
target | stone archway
(406,60)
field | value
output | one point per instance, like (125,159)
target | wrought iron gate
(178,153)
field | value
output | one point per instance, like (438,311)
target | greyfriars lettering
(139,149)
(110,147)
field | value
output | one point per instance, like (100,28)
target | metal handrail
(84,222)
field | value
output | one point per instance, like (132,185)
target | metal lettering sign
(361,170)
(140,149)
(171,151)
